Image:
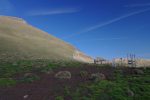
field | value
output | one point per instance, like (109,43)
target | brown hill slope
(19,40)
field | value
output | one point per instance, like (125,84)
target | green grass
(116,89)
(6,82)
(59,98)
(29,79)
(10,69)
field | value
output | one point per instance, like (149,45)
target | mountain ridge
(20,40)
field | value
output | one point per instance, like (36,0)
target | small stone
(130,93)
(25,96)
(28,74)
(49,72)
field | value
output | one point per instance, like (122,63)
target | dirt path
(48,87)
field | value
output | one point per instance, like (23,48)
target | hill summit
(19,40)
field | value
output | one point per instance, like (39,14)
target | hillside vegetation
(19,40)
(44,80)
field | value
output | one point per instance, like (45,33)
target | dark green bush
(29,79)
(59,98)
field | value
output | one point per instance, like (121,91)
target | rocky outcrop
(15,19)
(79,56)
(143,62)
(138,62)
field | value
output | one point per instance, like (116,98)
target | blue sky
(105,28)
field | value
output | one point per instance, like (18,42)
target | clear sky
(105,28)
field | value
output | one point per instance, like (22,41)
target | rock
(49,72)
(25,96)
(130,93)
(63,75)
(138,71)
(97,77)
(29,74)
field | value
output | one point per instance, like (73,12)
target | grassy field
(19,40)
(36,80)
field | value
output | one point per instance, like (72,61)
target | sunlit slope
(19,40)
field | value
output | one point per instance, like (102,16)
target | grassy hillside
(19,40)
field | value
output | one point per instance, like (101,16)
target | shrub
(29,78)
(59,98)
(84,74)
(63,75)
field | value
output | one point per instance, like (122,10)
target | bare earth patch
(49,87)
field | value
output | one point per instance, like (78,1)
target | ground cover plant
(35,80)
